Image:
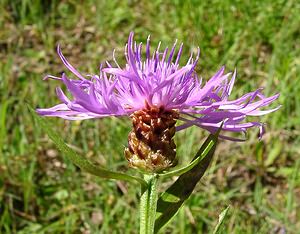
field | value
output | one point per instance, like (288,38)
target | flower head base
(158,87)
(150,143)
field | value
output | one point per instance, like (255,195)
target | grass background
(41,192)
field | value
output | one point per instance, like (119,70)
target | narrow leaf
(79,160)
(172,199)
(193,163)
(220,221)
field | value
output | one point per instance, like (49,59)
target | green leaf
(220,221)
(79,160)
(193,163)
(172,199)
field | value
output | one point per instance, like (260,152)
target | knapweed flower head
(156,92)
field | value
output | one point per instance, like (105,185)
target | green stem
(148,205)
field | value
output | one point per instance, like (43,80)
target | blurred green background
(41,192)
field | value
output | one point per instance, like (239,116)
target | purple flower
(159,82)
